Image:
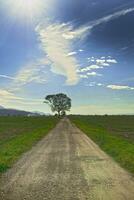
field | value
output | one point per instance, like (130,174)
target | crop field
(19,134)
(114,134)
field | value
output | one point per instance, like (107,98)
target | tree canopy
(59,103)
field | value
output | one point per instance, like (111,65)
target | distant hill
(13,112)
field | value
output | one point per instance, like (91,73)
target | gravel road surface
(66,165)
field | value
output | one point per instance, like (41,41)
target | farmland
(66,164)
(19,134)
(114,134)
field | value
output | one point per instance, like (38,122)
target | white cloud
(100,61)
(83,76)
(103,62)
(56,41)
(100,84)
(112,61)
(81,50)
(89,68)
(92,84)
(68,36)
(93,74)
(120,87)
(91,58)
(95,67)
(72,53)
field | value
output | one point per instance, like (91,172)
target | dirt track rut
(66,165)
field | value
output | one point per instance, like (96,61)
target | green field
(114,134)
(19,134)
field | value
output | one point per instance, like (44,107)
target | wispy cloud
(29,74)
(108,18)
(7,77)
(7,95)
(11,100)
(56,41)
(33,72)
(71,33)
(85,30)
(120,87)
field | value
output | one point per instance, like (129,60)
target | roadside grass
(19,134)
(114,135)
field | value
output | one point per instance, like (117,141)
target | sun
(25,8)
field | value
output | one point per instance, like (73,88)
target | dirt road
(66,165)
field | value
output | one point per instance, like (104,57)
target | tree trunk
(59,113)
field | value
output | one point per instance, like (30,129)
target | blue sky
(82,48)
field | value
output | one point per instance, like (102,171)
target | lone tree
(59,103)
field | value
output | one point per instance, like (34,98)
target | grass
(19,134)
(114,135)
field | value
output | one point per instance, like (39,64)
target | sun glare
(26,8)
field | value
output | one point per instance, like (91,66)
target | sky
(84,48)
